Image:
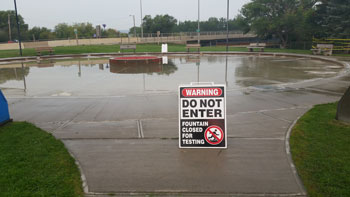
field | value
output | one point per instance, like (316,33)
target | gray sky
(115,13)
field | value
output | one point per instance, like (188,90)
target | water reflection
(253,71)
(79,73)
(169,68)
(96,77)
(136,68)
(226,80)
(45,64)
(17,74)
(150,68)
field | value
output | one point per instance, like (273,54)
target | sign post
(202,116)
(76,35)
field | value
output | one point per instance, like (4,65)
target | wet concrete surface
(96,77)
(128,143)
(153,165)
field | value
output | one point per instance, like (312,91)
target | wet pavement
(124,131)
(95,77)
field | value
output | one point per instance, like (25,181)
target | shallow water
(95,77)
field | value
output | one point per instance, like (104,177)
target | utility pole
(20,45)
(228,17)
(198,30)
(9,22)
(76,36)
(19,31)
(133,16)
(141,19)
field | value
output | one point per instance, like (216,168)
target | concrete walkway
(129,144)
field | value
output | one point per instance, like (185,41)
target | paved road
(129,144)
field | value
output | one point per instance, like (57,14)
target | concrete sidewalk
(129,144)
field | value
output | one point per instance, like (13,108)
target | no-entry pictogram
(202,116)
(214,135)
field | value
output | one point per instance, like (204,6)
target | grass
(64,50)
(140,48)
(34,163)
(320,147)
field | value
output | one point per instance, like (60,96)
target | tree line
(61,31)
(285,20)
(297,20)
(162,23)
(168,24)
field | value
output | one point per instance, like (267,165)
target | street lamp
(20,45)
(9,23)
(141,19)
(228,17)
(198,30)
(18,30)
(133,16)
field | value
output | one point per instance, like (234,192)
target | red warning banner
(202,92)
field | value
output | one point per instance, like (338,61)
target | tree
(187,26)
(85,30)
(4,29)
(242,24)
(138,30)
(334,18)
(284,19)
(64,31)
(110,33)
(3,36)
(41,33)
(148,24)
(212,24)
(162,23)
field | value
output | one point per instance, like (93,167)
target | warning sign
(202,114)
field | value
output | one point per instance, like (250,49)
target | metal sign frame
(203,85)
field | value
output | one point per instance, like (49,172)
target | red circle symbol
(214,135)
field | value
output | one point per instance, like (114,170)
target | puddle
(95,77)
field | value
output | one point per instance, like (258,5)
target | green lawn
(34,163)
(143,48)
(320,147)
(140,48)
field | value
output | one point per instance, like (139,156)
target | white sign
(164,48)
(202,116)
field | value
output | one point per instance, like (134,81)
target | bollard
(343,111)
(4,110)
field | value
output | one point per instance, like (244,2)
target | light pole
(228,17)
(198,30)
(18,30)
(133,16)
(20,45)
(9,22)
(141,19)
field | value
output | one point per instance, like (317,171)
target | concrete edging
(290,159)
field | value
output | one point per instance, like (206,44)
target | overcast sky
(115,13)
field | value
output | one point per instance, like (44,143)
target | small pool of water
(95,77)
